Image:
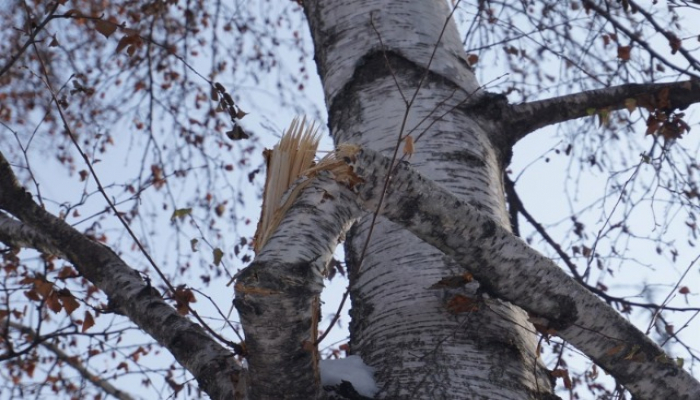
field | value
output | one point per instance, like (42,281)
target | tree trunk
(394,68)
(391,70)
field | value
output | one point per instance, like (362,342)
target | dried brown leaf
(69,302)
(623,52)
(88,322)
(461,304)
(408,146)
(105,27)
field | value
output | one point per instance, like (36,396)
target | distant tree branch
(210,363)
(95,380)
(522,119)
(516,208)
(32,35)
(112,206)
(636,38)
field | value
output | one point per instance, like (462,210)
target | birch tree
(447,301)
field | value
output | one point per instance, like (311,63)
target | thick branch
(277,297)
(508,268)
(211,364)
(522,119)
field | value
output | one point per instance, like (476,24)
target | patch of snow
(350,369)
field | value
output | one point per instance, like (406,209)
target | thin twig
(102,191)
(635,38)
(671,293)
(51,15)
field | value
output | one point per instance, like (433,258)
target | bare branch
(524,118)
(75,364)
(49,16)
(211,364)
(693,63)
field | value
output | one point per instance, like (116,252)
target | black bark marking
(488,229)
(490,105)
(494,108)
(465,157)
(408,207)
(373,66)
(568,313)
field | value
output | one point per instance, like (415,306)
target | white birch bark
(507,268)
(213,366)
(284,280)
(16,234)
(511,270)
(401,323)
(277,296)
(400,327)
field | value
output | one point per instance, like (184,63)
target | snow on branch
(522,119)
(352,370)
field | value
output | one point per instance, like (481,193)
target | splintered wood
(291,159)
(286,163)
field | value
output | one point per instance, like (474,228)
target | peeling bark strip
(211,364)
(511,270)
